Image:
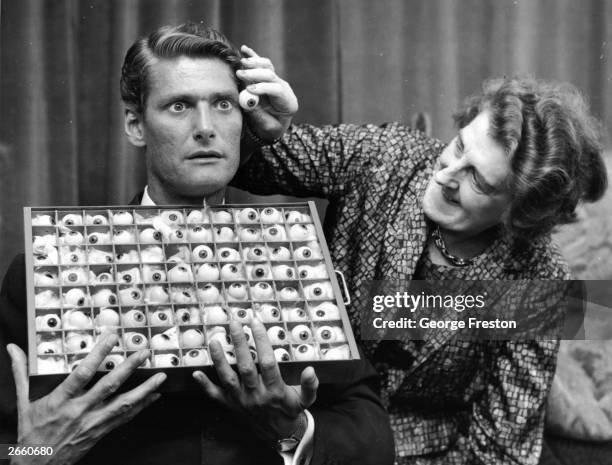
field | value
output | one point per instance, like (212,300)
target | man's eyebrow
(187,97)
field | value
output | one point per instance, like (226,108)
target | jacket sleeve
(324,161)
(351,424)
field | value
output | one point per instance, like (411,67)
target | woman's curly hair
(554,147)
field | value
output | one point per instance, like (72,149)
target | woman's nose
(447,177)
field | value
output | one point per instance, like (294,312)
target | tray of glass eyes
(170,279)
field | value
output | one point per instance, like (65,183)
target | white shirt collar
(147,201)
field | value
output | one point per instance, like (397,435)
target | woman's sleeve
(508,419)
(323,161)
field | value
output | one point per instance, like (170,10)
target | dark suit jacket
(351,425)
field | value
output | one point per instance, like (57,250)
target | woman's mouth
(448,196)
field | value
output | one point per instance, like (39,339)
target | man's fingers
(19,366)
(133,411)
(210,388)
(244,359)
(270,372)
(107,385)
(227,377)
(87,368)
(124,403)
(309,384)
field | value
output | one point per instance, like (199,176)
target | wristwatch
(289,444)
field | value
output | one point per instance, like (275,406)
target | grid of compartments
(171,279)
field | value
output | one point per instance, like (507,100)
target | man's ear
(133,127)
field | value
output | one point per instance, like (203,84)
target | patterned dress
(450,401)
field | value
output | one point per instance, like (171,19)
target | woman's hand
(277,102)
(71,418)
(273,407)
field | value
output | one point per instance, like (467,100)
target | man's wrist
(290,441)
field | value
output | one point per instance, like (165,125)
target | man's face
(190,128)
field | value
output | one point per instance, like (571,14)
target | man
(180,90)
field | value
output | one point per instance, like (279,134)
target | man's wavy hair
(554,147)
(189,39)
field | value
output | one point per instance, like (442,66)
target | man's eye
(177,107)
(225,105)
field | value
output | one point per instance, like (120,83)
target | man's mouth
(205,155)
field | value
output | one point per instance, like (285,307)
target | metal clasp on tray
(347,296)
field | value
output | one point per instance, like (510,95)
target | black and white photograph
(306,232)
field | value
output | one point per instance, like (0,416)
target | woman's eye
(177,107)
(479,185)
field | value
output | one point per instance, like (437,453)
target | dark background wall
(348,60)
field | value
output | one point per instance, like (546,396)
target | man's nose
(203,128)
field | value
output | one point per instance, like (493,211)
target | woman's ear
(133,127)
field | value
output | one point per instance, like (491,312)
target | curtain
(61,119)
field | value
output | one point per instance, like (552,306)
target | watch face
(287,445)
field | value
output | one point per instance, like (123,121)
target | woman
(405,207)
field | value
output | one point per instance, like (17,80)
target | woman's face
(467,193)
